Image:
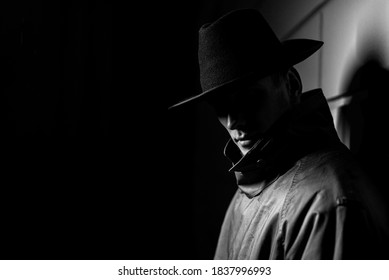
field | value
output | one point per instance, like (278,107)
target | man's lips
(246,140)
(246,143)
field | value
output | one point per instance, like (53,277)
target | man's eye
(220,111)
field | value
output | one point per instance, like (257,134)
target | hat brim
(294,51)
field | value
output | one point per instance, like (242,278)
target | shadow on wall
(363,120)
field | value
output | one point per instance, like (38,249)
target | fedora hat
(241,46)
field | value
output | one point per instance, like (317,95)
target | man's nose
(234,121)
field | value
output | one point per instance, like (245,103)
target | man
(300,194)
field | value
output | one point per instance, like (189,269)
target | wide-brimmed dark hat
(241,46)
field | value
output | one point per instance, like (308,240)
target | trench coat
(302,195)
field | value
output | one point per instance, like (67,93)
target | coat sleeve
(342,231)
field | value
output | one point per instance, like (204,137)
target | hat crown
(238,43)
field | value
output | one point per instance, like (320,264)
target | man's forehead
(259,85)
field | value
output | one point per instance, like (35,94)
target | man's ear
(294,83)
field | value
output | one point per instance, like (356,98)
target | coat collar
(307,127)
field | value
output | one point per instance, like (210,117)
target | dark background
(71,182)
(60,171)
(93,165)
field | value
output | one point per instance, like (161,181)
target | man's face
(248,113)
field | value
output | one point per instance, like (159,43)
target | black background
(90,168)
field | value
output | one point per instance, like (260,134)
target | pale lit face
(248,113)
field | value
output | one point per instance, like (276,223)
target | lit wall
(351,30)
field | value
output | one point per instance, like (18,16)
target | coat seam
(287,201)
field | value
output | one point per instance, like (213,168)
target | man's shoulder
(331,176)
